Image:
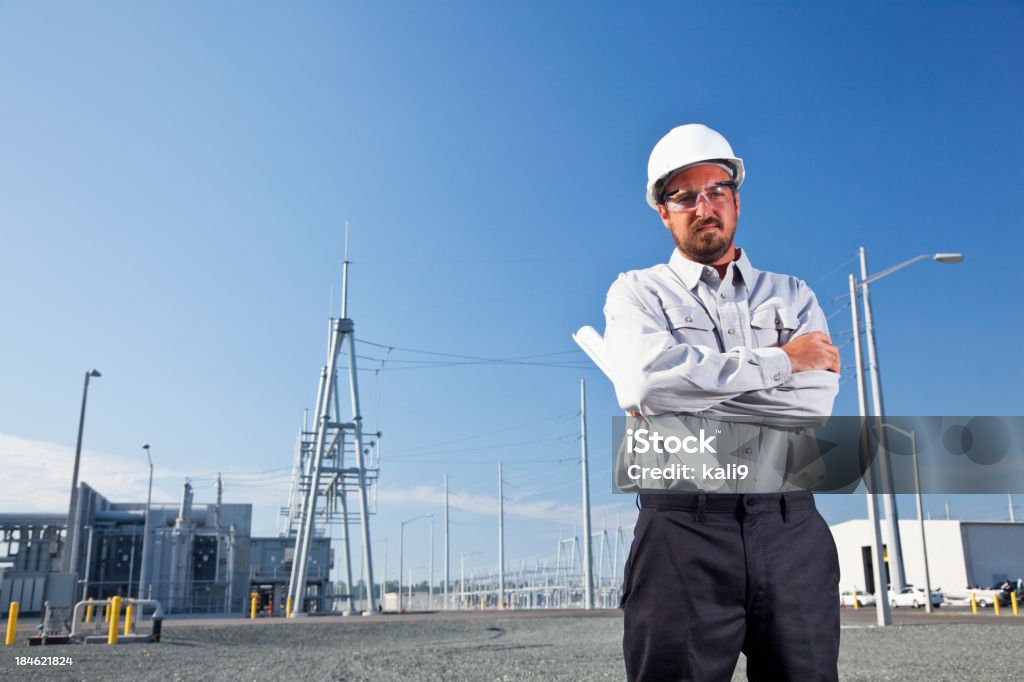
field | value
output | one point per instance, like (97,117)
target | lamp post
(920,513)
(370,587)
(144,571)
(401,553)
(462,573)
(889,498)
(384,580)
(882,613)
(71,553)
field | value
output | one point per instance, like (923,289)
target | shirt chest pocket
(772,324)
(692,325)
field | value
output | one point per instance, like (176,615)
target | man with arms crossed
(708,334)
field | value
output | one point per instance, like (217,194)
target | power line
(564,415)
(836,312)
(485,447)
(833,271)
(215,474)
(515,360)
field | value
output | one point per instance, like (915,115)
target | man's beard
(706,247)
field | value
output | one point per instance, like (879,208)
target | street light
(882,612)
(71,555)
(411,583)
(462,573)
(370,587)
(937,257)
(895,552)
(144,572)
(401,554)
(384,580)
(920,513)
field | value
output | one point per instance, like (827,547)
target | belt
(731,502)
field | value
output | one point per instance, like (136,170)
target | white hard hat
(688,145)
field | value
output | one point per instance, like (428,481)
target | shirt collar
(690,272)
(745,268)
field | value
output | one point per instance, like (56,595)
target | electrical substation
(200,557)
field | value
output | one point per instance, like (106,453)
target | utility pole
(588,559)
(430,570)
(446,554)
(501,539)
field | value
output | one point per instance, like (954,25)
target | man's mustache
(697,224)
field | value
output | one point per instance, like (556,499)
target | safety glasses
(685,199)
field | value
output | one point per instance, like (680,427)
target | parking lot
(951,644)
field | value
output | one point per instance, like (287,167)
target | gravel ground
(492,646)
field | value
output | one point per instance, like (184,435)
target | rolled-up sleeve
(655,373)
(806,394)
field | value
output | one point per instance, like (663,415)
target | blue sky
(175,178)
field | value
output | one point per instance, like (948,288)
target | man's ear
(737,204)
(663,213)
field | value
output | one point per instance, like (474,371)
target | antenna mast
(344,278)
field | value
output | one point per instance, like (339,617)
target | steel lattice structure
(333,460)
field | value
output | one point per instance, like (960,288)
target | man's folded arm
(656,374)
(804,394)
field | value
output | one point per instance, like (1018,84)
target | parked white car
(863,599)
(914,597)
(984,597)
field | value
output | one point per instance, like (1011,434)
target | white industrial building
(961,554)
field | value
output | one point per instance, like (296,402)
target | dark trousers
(709,576)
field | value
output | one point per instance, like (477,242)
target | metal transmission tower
(332,460)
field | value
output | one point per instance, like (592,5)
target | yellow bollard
(115,618)
(974,604)
(12,623)
(128,613)
(106,614)
(88,611)
(856,604)
(1013,600)
(252,607)
(995,602)
(288,608)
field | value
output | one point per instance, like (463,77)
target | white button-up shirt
(680,339)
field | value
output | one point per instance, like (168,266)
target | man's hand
(812,351)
